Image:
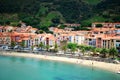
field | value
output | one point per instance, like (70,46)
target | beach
(103,65)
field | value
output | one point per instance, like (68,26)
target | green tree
(94,51)
(83,51)
(23,44)
(99,25)
(47,47)
(56,47)
(72,47)
(41,45)
(113,52)
(39,31)
(13,44)
(32,47)
(62,26)
(64,48)
(103,52)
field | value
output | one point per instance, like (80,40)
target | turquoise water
(18,68)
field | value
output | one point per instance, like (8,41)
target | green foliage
(23,44)
(13,44)
(64,48)
(92,2)
(39,31)
(56,47)
(103,52)
(41,45)
(32,47)
(44,13)
(63,45)
(72,47)
(14,24)
(62,26)
(99,25)
(47,47)
(80,28)
(113,52)
(83,51)
(87,23)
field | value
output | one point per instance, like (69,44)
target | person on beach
(92,63)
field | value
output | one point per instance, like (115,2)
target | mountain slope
(44,13)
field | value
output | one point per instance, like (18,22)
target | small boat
(118,72)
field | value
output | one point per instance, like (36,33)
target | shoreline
(102,65)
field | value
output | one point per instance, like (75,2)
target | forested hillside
(45,13)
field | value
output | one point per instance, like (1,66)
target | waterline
(103,65)
(20,68)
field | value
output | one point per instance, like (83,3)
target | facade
(5,39)
(107,36)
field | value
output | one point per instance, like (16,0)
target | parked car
(17,47)
(36,50)
(26,49)
(4,47)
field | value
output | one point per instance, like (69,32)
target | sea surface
(19,68)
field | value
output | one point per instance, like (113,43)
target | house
(5,39)
(50,40)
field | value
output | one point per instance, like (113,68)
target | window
(92,35)
(17,38)
(90,39)
(95,32)
(101,32)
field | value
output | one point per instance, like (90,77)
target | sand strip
(102,65)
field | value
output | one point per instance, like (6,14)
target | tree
(41,45)
(72,47)
(99,25)
(64,48)
(47,47)
(56,47)
(94,51)
(23,44)
(62,26)
(13,44)
(83,51)
(39,31)
(63,45)
(103,52)
(32,47)
(83,48)
(113,52)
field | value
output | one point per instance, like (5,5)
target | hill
(45,13)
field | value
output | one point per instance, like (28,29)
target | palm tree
(113,52)
(13,44)
(104,51)
(83,51)
(56,47)
(47,47)
(41,45)
(64,48)
(23,44)
(95,50)
(72,47)
(32,47)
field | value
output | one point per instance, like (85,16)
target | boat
(118,72)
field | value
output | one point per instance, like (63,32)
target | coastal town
(99,44)
(107,36)
(59,39)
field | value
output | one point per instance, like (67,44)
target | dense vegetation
(45,13)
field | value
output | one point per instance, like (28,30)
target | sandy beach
(102,65)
